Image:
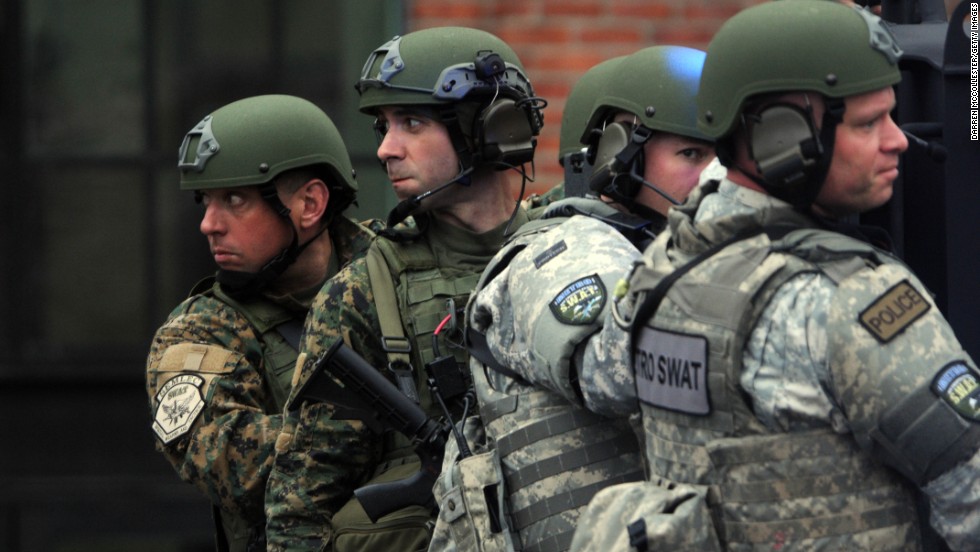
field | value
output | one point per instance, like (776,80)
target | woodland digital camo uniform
(220,367)
(220,436)
(322,460)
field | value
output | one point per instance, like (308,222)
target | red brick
(449,10)
(647,10)
(615,34)
(586,8)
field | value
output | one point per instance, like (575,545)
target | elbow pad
(934,428)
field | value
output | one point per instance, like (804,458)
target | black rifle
(363,393)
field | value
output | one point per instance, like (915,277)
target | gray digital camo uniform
(214,395)
(547,456)
(826,356)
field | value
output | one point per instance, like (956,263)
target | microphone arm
(407,206)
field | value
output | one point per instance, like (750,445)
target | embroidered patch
(959,386)
(580,302)
(549,254)
(179,402)
(671,371)
(894,311)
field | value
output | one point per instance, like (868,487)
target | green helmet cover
(578,106)
(793,45)
(437,66)
(251,141)
(658,85)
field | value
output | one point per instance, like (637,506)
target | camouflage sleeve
(320,460)
(955,500)
(606,369)
(552,297)
(213,413)
(785,358)
(888,341)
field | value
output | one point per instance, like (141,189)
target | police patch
(179,402)
(959,386)
(671,371)
(580,302)
(894,311)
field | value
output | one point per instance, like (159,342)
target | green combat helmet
(474,81)
(793,45)
(574,120)
(657,85)
(252,141)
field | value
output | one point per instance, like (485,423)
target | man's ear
(315,195)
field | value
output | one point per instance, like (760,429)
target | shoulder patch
(671,371)
(549,254)
(959,386)
(179,403)
(893,311)
(580,302)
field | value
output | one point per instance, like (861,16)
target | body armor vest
(554,456)
(801,491)
(426,294)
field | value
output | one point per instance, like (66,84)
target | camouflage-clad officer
(454,110)
(797,383)
(548,290)
(273,176)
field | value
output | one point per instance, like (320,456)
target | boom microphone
(408,206)
(935,151)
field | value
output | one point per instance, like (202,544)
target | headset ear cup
(785,146)
(614,139)
(504,134)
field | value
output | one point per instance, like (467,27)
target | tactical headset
(503,133)
(501,130)
(788,150)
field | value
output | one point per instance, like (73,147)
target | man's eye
(236,200)
(380,127)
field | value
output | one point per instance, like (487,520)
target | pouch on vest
(644,516)
(466,507)
(408,529)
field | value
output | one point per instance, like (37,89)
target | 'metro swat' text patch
(580,302)
(959,386)
(894,311)
(671,371)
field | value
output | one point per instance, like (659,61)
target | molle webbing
(814,486)
(801,490)
(547,480)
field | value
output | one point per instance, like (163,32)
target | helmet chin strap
(243,285)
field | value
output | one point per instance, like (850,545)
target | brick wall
(557,40)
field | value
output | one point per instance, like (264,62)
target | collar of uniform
(446,237)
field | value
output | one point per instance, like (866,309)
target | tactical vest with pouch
(413,295)
(543,458)
(803,490)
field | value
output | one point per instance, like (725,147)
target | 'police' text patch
(894,311)
(959,386)
(580,302)
(178,404)
(671,371)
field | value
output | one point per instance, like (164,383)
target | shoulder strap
(652,302)
(393,339)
